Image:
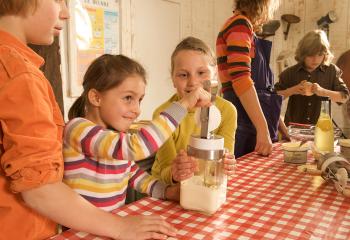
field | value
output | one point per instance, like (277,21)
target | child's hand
(307,88)
(263,144)
(173,192)
(317,89)
(183,166)
(301,88)
(196,98)
(229,164)
(144,227)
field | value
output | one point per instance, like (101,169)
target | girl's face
(120,106)
(191,69)
(312,62)
(46,22)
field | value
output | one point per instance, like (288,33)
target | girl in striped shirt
(246,77)
(98,151)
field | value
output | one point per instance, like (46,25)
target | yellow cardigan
(166,154)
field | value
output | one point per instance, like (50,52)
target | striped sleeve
(142,182)
(96,142)
(233,49)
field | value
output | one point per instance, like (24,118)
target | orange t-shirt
(31,128)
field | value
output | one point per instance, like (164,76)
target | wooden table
(267,199)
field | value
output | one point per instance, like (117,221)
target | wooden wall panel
(203,20)
(338,30)
(186,18)
(126,26)
(222,10)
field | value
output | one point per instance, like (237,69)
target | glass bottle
(324,132)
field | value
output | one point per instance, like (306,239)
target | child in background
(99,153)
(313,77)
(192,63)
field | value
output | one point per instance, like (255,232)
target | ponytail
(78,108)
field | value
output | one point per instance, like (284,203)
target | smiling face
(191,69)
(118,107)
(312,62)
(46,22)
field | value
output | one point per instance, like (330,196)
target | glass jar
(206,190)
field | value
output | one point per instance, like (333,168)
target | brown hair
(104,73)
(195,44)
(257,11)
(17,7)
(313,43)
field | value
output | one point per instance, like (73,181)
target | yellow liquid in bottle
(324,134)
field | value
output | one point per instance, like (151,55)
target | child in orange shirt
(32,194)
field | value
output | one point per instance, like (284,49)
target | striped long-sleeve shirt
(99,162)
(234,50)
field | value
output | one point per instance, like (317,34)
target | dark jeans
(245,140)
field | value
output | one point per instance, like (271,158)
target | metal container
(345,148)
(294,153)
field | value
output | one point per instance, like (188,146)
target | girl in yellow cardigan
(192,63)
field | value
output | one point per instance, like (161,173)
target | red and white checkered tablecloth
(267,199)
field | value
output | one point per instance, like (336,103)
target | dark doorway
(51,68)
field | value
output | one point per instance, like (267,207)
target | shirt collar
(322,67)
(300,66)
(9,40)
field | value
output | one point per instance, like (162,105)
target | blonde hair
(313,43)
(195,44)
(257,11)
(17,7)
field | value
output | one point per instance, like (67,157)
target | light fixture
(269,29)
(323,22)
(289,19)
